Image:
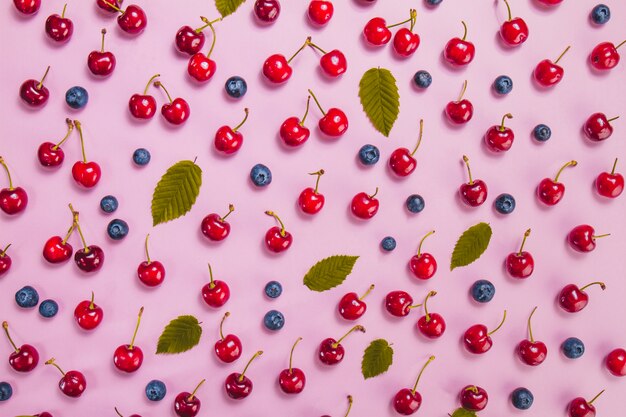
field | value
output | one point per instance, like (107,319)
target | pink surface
(242,45)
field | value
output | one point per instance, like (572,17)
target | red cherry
(227,140)
(88,258)
(188,404)
(459,51)
(151,273)
(548,73)
(72,383)
(401,161)
(293,132)
(267,11)
(605,56)
(51,155)
(423,265)
(106,5)
(500,138)
(277,239)
(351,306)
(333,63)
(431,325)
(57,250)
(477,339)
(582,239)
(320,11)
(310,201)
(334,123)
(474,192)
(5,261)
(598,128)
(27,7)
(292,380)
(215,227)
(201,67)
(59,28)
(616,362)
(228,348)
(579,407)
(237,385)
(128,358)
(34,93)
(216,293)
(132,20)
(610,184)
(520,264)
(176,111)
(551,192)
(331,351)
(399,303)
(85,173)
(13,200)
(276,68)
(474,398)
(573,299)
(88,315)
(405,42)
(461,110)
(190,41)
(532,352)
(408,401)
(376,32)
(365,206)
(100,62)
(143,106)
(514,31)
(22,359)
(550,2)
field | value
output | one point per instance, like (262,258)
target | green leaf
(471,245)
(228,7)
(462,412)
(377,358)
(176,192)
(330,272)
(180,335)
(380,99)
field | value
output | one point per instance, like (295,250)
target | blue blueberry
(573,348)
(369,155)
(273,289)
(76,97)
(48,308)
(117,229)
(155,390)
(415,203)
(422,79)
(542,132)
(522,398)
(274,320)
(109,204)
(600,14)
(27,297)
(6,391)
(504,203)
(141,156)
(261,175)
(483,291)
(388,243)
(236,87)
(503,84)
(433,2)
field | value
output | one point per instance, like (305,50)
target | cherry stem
(306,111)
(530,330)
(306,43)
(5,326)
(70,128)
(563,53)
(256,355)
(508,8)
(118,413)
(506,116)
(114,7)
(160,84)
(472,388)
(369,290)
(4,251)
(104,32)
(596,397)
(375,192)
(146,246)
(206,24)
(419,248)
(614,166)
(621,44)
(521,248)
(413,19)
(291,354)
(213,41)
(499,325)
(600,236)
(63,12)
(355,328)
(145,90)
(132,341)
(464,30)
(52,362)
(231,208)
(410,19)
(571,163)
(419,138)
(92,306)
(246,111)
(6,168)
(317,181)
(79,127)
(314,46)
(350,401)
(613,118)
(430,294)
(469,171)
(195,390)
(462,91)
(69,232)
(319,106)
(432,358)
(77,225)
(282,226)
(211,283)
(45,74)
(222,324)
(601,284)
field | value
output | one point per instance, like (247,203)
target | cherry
(459,51)
(331,351)
(267,11)
(216,293)
(548,73)
(5,260)
(57,250)
(500,138)
(187,404)
(85,173)
(605,56)
(293,132)
(100,62)
(27,7)
(22,359)
(408,401)
(128,358)
(13,200)
(276,68)
(351,306)
(532,352)
(461,110)
(320,11)
(520,264)
(277,239)
(310,201)
(610,184)
(401,161)
(474,398)
(598,128)
(34,93)
(133,20)
(477,339)
(579,407)
(405,42)
(215,227)
(399,303)
(292,380)
(176,111)
(573,299)
(365,206)
(474,192)
(228,348)
(88,315)
(201,67)
(334,123)
(190,41)
(105,5)
(228,141)
(423,265)
(550,2)
(151,273)
(120,414)
(431,325)
(551,192)
(143,106)
(72,383)
(616,362)
(350,401)
(59,28)
(377,33)
(89,258)
(333,63)
(237,385)
(51,155)
(514,32)
(582,239)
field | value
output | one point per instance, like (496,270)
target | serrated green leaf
(380,99)
(471,245)
(176,192)
(228,7)
(462,412)
(377,358)
(180,335)
(329,272)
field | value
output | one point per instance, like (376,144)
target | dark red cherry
(431,325)
(610,184)
(57,250)
(582,238)
(277,239)
(402,161)
(351,306)
(143,106)
(573,299)
(88,258)
(50,154)
(320,11)
(216,293)
(72,383)
(228,348)
(532,352)
(215,227)
(579,407)
(365,206)
(59,28)
(408,401)
(520,264)
(598,127)
(85,173)
(334,123)
(331,351)
(616,362)
(107,5)
(34,93)
(5,261)
(13,200)
(405,41)
(267,11)
(500,138)
(188,404)
(177,111)
(24,358)
(238,386)
(27,7)
(292,380)
(549,191)
(101,62)
(477,339)
(399,303)
(473,398)
(132,20)
(376,32)
(190,41)
(276,68)
(293,132)
(474,192)
(605,56)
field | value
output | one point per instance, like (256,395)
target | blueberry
(522,398)
(273,289)
(600,14)
(6,391)
(433,2)
(108,204)
(388,243)
(274,320)
(369,154)
(483,291)
(261,175)
(415,203)
(422,79)
(542,132)
(48,308)
(117,229)
(503,84)
(155,390)
(573,348)
(504,203)
(27,297)
(236,87)
(76,97)
(141,156)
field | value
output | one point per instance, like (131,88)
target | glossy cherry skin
(460,112)
(520,265)
(276,69)
(151,273)
(474,398)
(5,264)
(604,56)
(86,174)
(73,384)
(216,294)
(376,32)
(177,112)
(277,242)
(292,381)
(215,228)
(238,388)
(407,402)
(201,67)
(550,192)
(311,201)
(228,141)
(320,11)
(397,303)
(33,94)
(13,201)
(459,52)
(331,353)
(101,63)
(186,405)
(267,11)
(581,238)
(189,41)
(27,7)
(616,362)
(548,73)
(49,156)
(142,106)
(402,162)
(532,353)
(364,206)
(423,266)
(293,133)
(133,20)
(514,32)
(405,42)
(334,123)
(334,63)
(610,185)
(56,251)
(597,127)
(89,260)
(86,317)
(228,349)
(579,407)
(25,359)
(474,194)
(499,139)
(572,299)
(128,359)
(477,340)
(351,307)
(432,327)
(58,28)
(106,5)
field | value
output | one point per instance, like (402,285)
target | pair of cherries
(132,19)
(405,41)
(190,41)
(400,303)
(143,106)
(13,200)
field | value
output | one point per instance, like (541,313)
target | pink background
(241,260)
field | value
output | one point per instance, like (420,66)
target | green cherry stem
(69,232)
(601,284)
(6,168)
(562,53)
(291,354)
(207,23)
(369,290)
(92,306)
(306,111)
(52,362)
(506,116)
(306,43)
(419,248)
(319,106)
(132,341)
(213,41)
(103,32)
(147,251)
(462,91)
(79,128)
(464,30)
(77,225)
(317,181)
(227,314)
(246,111)
(350,401)
(614,166)
(375,192)
(430,294)
(499,325)
(469,171)
(70,128)
(521,248)
(419,138)
(45,74)
(596,397)
(63,12)
(571,163)
(413,19)
(358,327)
(314,46)
(193,393)
(621,44)
(410,19)
(158,84)
(5,326)
(231,208)
(211,282)
(508,8)
(613,118)
(530,329)
(432,358)
(145,90)
(256,355)
(4,251)
(282,226)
